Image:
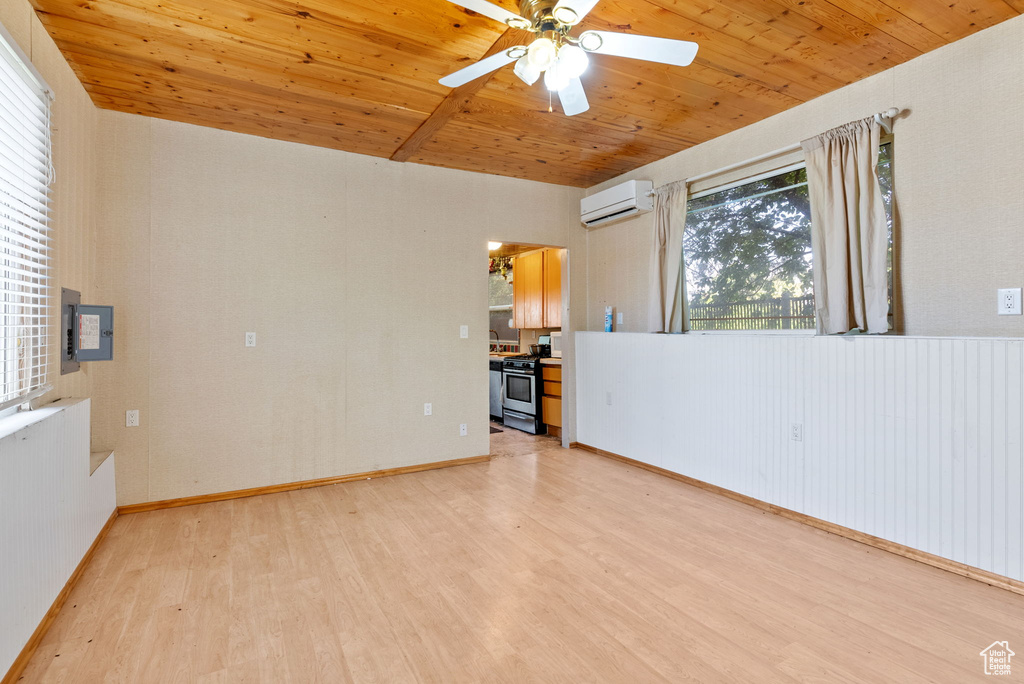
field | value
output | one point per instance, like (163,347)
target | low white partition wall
(51,510)
(914,440)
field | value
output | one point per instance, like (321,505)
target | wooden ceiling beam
(453,103)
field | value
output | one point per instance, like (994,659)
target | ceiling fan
(561,57)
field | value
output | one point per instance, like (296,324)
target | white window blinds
(26,173)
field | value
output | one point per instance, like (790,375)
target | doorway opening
(527,301)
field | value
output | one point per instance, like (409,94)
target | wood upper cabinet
(552,288)
(534,264)
(537,290)
(528,290)
(518,293)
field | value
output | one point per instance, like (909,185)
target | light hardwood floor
(544,565)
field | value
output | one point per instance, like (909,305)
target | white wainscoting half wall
(915,440)
(51,510)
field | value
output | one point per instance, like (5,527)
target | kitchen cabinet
(528,290)
(537,290)
(552,288)
(551,399)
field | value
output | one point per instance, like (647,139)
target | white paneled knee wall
(52,509)
(915,440)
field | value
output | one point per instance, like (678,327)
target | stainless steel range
(520,393)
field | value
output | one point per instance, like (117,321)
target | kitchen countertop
(544,362)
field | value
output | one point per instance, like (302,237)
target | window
(500,306)
(747,250)
(748,255)
(25,177)
(885,183)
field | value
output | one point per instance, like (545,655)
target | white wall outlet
(463,430)
(428,409)
(463,331)
(608,398)
(250,339)
(1009,301)
(796,432)
(618,318)
(131,418)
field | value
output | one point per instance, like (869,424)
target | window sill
(23,419)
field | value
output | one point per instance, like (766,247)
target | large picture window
(25,177)
(747,250)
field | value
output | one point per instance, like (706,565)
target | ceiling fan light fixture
(590,41)
(526,72)
(542,53)
(572,61)
(555,79)
(566,15)
(557,54)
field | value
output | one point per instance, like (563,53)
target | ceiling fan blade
(580,7)
(573,99)
(489,9)
(664,50)
(478,69)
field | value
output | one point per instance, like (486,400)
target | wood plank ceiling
(361,75)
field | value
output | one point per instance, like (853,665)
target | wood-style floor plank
(544,565)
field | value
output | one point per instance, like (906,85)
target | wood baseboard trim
(19,664)
(291,486)
(969,571)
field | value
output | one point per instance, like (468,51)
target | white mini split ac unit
(614,204)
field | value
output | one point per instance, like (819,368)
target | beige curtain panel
(668,287)
(849,234)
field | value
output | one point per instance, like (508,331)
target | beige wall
(354,272)
(959,152)
(73,197)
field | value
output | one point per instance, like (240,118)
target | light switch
(463,331)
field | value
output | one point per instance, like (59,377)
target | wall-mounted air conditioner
(614,204)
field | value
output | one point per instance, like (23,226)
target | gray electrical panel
(87,331)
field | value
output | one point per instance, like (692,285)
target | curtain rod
(884,119)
